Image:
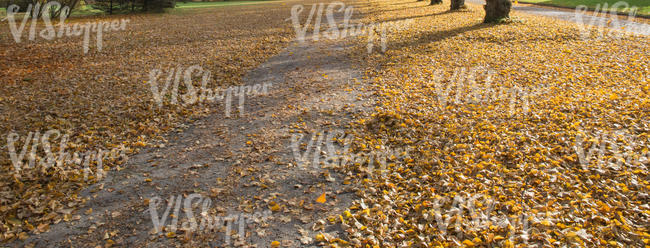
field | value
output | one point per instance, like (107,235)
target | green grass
(642,5)
(81,11)
(88,10)
(181,5)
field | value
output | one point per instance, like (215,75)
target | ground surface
(190,5)
(498,115)
(638,25)
(230,166)
(643,6)
(245,161)
(103,99)
(246,164)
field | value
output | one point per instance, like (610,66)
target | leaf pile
(525,161)
(102,98)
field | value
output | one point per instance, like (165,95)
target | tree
(52,8)
(21,4)
(434,2)
(158,4)
(457,4)
(121,6)
(497,10)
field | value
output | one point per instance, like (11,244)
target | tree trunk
(496,10)
(457,4)
(67,13)
(434,2)
(110,9)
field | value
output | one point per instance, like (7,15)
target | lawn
(80,11)
(643,5)
(180,5)
(88,10)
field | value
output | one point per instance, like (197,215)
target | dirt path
(244,164)
(630,26)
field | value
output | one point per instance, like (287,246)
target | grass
(181,5)
(82,11)
(88,10)
(642,5)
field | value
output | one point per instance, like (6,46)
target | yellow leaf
(321,198)
(23,236)
(43,227)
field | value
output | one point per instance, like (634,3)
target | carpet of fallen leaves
(524,161)
(103,100)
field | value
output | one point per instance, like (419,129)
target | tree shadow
(417,16)
(433,36)
(409,2)
(383,11)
